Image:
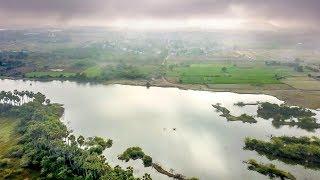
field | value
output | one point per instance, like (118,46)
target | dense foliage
(11,61)
(122,71)
(269,170)
(281,113)
(46,145)
(135,153)
(294,150)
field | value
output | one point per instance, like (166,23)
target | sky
(163,14)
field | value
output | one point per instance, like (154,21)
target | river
(179,129)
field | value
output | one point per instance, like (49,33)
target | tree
(224,69)
(47,101)
(147,161)
(72,140)
(80,140)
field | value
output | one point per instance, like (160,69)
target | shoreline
(291,96)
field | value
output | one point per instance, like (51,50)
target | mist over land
(159,89)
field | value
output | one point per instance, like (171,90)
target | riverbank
(289,94)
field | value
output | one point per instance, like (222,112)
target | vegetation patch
(226,74)
(92,72)
(242,104)
(123,71)
(226,113)
(293,150)
(285,115)
(268,170)
(135,153)
(49,74)
(10,167)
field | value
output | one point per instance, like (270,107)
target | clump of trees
(47,146)
(269,170)
(294,150)
(17,98)
(281,114)
(226,113)
(275,111)
(11,61)
(135,153)
(224,69)
(122,71)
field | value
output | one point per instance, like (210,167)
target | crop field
(42,74)
(228,74)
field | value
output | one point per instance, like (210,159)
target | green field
(213,74)
(53,74)
(7,135)
(10,168)
(94,71)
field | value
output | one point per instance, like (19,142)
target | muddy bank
(167,173)
(291,96)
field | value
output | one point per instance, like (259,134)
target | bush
(4,162)
(147,161)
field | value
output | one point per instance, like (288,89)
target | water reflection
(203,145)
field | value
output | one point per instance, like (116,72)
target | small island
(242,104)
(226,113)
(292,150)
(268,170)
(286,115)
(135,153)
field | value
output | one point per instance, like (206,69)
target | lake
(204,145)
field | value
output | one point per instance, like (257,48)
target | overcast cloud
(302,13)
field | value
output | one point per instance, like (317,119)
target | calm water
(204,144)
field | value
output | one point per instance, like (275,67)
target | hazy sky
(220,14)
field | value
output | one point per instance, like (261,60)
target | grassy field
(227,74)
(10,167)
(7,135)
(41,74)
(94,71)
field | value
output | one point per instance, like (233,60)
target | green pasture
(214,74)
